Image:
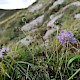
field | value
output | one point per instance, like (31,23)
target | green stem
(57,45)
(74,74)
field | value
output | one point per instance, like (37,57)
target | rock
(27,40)
(1,56)
(34,30)
(34,24)
(35,7)
(56,3)
(51,23)
(48,33)
(77,3)
(77,16)
(47,42)
(51,17)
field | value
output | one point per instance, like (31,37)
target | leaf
(22,62)
(8,75)
(73,59)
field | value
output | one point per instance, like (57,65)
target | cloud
(15,4)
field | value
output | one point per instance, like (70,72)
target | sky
(15,4)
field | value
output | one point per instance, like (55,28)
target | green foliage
(37,61)
(9,13)
(73,59)
(41,63)
(24,53)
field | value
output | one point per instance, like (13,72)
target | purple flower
(66,36)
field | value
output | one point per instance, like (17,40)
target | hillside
(31,34)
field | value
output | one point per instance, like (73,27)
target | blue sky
(15,4)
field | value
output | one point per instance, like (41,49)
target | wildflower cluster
(3,51)
(66,36)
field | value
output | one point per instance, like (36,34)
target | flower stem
(74,74)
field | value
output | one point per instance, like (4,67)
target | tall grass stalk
(74,74)
(57,45)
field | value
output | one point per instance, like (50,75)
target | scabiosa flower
(3,52)
(66,36)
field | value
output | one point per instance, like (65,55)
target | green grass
(7,14)
(41,63)
(36,61)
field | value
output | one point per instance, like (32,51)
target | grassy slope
(8,25)
(42,63)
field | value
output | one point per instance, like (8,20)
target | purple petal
(62,31)
(58,38)
(70,34)
(66,36)
(72,40)
(63,42)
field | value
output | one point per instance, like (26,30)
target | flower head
(3,51)
(66,36)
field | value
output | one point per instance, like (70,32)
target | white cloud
(15,4)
